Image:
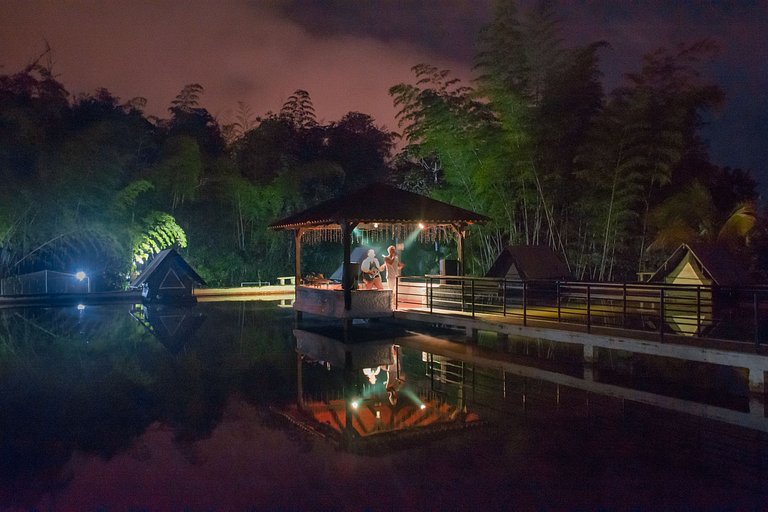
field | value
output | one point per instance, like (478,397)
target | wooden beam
(297,251)
(346,275)
(297,267)
(458,229)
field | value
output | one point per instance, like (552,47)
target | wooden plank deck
(704,350)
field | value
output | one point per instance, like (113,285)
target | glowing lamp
(421,225)
(375,224)
(422,407)
(80,307)
(80,275)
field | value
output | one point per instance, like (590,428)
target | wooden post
(297,251)
(458,229)
(297,268)
(346,275)
(299,382)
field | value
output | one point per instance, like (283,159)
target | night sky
(347,53)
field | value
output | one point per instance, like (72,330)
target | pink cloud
(237,51)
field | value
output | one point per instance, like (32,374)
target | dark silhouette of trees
(609,180)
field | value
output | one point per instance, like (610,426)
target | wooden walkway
(751,357)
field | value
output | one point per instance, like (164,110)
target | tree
(360,148)
(633,150)
(692,216)
(299,110)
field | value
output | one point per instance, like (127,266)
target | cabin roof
(379,203)
(718,263)
(172,257)
(532,262)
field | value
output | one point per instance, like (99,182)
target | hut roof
(532,262)
(171,256)
(721,265)
(379,203)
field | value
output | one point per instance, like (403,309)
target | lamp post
(80,276)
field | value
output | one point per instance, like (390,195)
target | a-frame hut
(173,324)
(168,278)
(702,265)
(529,263)
(707,277)
(375,208)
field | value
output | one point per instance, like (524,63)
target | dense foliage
(537,144)
(611,181)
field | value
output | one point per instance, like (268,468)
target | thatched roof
(720,265)
(532,262)
(383,204)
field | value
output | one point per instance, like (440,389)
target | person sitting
(370,270)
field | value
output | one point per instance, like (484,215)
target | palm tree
(690,216)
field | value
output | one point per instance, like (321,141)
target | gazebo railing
(728,313)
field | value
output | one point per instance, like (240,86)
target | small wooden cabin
(702,265)
(168,278)
(707,278)
(529,263)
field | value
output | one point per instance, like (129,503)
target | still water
(229,406)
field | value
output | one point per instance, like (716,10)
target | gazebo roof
(379,203)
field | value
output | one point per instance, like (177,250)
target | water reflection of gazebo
(380,209)
(373,406)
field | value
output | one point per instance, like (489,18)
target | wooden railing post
(525,303)
(624,309)
(589,308)
(504,297)
(430,293)
(472,295)
(756,322)
(698,310)
(661,314)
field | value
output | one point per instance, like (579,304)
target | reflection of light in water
(371,373)
(682,324)
(80,307)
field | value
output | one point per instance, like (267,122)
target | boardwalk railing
(739,314)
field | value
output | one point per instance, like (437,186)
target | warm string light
(380,233)
(431,234)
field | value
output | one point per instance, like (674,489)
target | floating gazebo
(380,209)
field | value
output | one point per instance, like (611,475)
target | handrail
(714,312)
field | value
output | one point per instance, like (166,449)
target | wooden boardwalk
(722,352)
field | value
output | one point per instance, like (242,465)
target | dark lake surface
(229,406)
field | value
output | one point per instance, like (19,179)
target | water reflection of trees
(93,380)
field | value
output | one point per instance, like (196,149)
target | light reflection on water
(226,406)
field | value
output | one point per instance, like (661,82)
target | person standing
(393,267)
